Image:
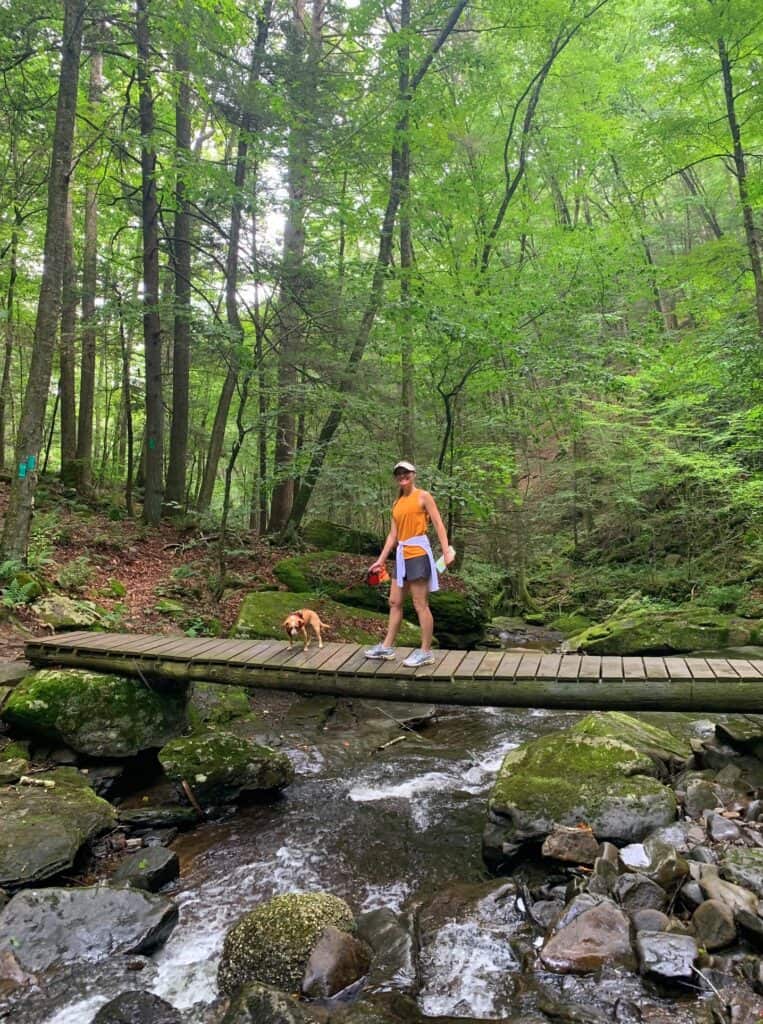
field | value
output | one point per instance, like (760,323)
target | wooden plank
(612,667)
(677,668)
(446,667)
(99,642)
(67,638)
(633,668)
(590,667)
(528,666)
(655,668)
(282,656)
(216,652)
(488,665)
(721,668)
(339,657)
(313,656)
(396,667)
(371,666)
(569,666)
(470,664)
(252,650)
(182,648)
(699,668)
(508,665)
(229,649)
(748,669)
(549,666)
(150,645)
(263,657)
(351,666)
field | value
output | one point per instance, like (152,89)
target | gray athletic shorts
(417,568)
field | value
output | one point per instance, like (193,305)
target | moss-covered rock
(262,613)
(644,630)
(331,536)
(574,778)
(459,621)
(315,570)
(95,714)
(216,704)
(65,613)
(220,766)
(272,943)
(44,826)
(647,739)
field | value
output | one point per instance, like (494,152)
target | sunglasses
(403,476)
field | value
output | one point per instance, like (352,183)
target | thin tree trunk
(152,335)
(176,470)
(125,349)
(740,167)
(10,307)
(66,354)
(376,292)
(407,363)
(30,434)
(84,458)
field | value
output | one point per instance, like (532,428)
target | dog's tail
(324,625)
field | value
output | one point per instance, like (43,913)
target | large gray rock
(587,941)
(256,1003)
(667,956)
(714,925)
(272,944)
(43,827)
(60,612)
(137,1008)
(149,869)
(337,960)
(219,766)
(42,927)
(573,778)
(95,714)
(744,867)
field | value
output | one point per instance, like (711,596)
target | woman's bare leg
(396,597)
(420,597)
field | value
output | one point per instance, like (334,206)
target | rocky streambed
(458,863)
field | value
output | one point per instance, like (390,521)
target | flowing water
(381,828)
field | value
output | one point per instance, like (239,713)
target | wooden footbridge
(485,678)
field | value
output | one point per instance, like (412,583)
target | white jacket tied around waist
(422,541)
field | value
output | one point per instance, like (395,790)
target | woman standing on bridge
(416,572)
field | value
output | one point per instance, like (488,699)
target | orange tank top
(411,520)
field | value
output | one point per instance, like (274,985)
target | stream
(382,828)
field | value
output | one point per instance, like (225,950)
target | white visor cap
(409,466)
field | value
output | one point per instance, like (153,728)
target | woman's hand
(450,556)
(376,565)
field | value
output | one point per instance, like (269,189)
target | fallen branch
(192,799)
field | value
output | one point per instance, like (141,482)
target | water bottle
(440,563)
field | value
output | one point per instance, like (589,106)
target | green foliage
(17,593)
(76,574)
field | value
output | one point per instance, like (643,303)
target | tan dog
(298,622)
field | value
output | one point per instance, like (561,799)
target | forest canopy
(253,253)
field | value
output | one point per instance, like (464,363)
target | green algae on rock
(272,943)
(95,714)
(572,778)
(646,738)
(219,766)
(45,826)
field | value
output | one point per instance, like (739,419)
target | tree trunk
(29,439)
(740,168)
(407,363)
(66,354)
(84,460)
(10,307)
(176,470)
(376,292)
(152,336)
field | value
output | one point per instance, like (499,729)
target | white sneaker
(418,658)
(380,651)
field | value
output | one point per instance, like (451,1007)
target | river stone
(138,1008)
(390,936)
(647,630)
(744,733)
(50,926)
(12,770)
(62,612)
(665,867)
(646,738)
(571,778)
(219,766)
(700,796)
(750,926)
(337,960)
(575,845)
(261,1004)
(733,895)
(139,820)
(666,956)
(744,867)
(599,935)
(95,714)
(713,924)
(43,828)
(648,920)
(272,944)
(149,869)
(638,892)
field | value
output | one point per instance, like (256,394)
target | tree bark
(84,458)
(10,309)
(376,291)
(30,434)
(740,168)
(66,354)
(181,252)
(152,336)
(407,361)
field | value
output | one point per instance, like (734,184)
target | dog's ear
(286,621)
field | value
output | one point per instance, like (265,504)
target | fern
(16,594)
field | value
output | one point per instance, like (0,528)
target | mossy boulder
(220,766)
(574,778)
(262,613)
(44,826)
(649,739)
(331,536)
(645,630)
(316,570)
(216,704)
(61,612)
(95,714)
(459,621)
(272,943)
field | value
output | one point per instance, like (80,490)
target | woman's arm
(389,544)
(434,514)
